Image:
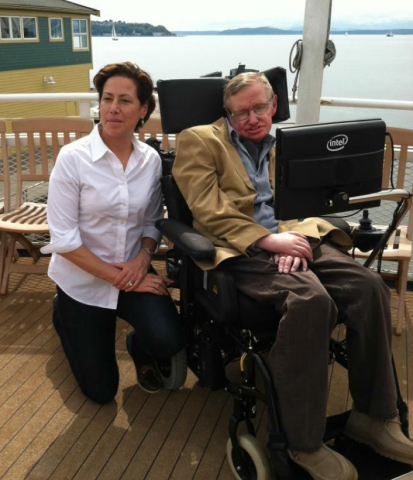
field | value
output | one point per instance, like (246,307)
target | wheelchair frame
(213,343)
(210,327)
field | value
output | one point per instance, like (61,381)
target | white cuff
(69,242)
(152,232)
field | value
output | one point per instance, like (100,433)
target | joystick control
(365,236)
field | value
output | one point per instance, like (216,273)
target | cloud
(222,14)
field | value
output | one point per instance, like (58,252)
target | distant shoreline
(395,33)
(257,31)
(125,29)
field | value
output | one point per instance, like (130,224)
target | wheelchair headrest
(199,101)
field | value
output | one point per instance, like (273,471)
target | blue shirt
(257,171)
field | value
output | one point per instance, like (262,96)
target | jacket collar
(220,130)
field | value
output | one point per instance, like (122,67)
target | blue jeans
(88,333)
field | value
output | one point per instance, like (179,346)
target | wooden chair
(153,128)
(33,167)
(4,191)
(399,247)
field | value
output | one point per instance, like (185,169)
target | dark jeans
(335,288)
(88,333)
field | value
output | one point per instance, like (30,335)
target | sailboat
(114,36)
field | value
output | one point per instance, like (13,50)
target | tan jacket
(219,193)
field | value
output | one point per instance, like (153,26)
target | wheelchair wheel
(256,462)
(173,371)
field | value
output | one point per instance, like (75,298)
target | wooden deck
(49,430)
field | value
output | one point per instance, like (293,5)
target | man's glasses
(260,109)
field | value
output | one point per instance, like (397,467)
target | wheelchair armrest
(219,295)
(186,239)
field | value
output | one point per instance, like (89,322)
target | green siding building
(45,47)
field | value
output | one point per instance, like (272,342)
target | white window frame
(50,29)
(21,27)
(9,18)
(80,34)
(35,26)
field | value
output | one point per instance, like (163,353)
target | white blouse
(94,202)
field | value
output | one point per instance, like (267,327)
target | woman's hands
(131,273)
(151,283)
(134,277)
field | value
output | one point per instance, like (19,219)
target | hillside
(279,31)
(124,29)
(259,31)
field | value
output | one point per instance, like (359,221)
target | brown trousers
(335,288)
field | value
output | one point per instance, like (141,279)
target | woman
(104,199)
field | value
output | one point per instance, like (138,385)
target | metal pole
(315,34)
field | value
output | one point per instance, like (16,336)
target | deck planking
(50,430)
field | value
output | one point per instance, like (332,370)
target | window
(29,27)
(15,27)
(56,28)
(4,27)
(80,35)
(18,28)
(10,28)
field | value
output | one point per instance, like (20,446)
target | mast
(114,37)
(315,35)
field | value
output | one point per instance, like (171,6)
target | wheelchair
(222,324)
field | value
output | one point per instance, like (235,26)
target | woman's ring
(154,285)
(130,284)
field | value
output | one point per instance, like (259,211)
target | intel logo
(337,143)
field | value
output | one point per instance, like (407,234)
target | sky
(227,14)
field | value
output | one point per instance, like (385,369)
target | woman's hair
(243,80)
(142,80)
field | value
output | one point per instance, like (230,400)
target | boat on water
(114,36)
(390,34)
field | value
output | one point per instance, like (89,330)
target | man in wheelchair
(225,172)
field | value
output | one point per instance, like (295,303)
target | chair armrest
(186,239)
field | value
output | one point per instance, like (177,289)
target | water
(366,66)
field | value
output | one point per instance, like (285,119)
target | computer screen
(318,167)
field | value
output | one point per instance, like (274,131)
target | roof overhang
(80,11)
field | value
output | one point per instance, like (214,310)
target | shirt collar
(99,147)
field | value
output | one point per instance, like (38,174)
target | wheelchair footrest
(282,467)
(335,425)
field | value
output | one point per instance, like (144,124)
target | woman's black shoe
(147,375)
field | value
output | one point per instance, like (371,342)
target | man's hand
(287,263)
(294,244)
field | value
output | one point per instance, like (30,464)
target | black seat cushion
(260,318)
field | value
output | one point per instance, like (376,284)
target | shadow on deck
(49,430)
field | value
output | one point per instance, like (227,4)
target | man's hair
(243,80)
(142,80)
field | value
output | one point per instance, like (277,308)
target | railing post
(84,109)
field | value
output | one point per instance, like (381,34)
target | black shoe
(148,378)
(147,375)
